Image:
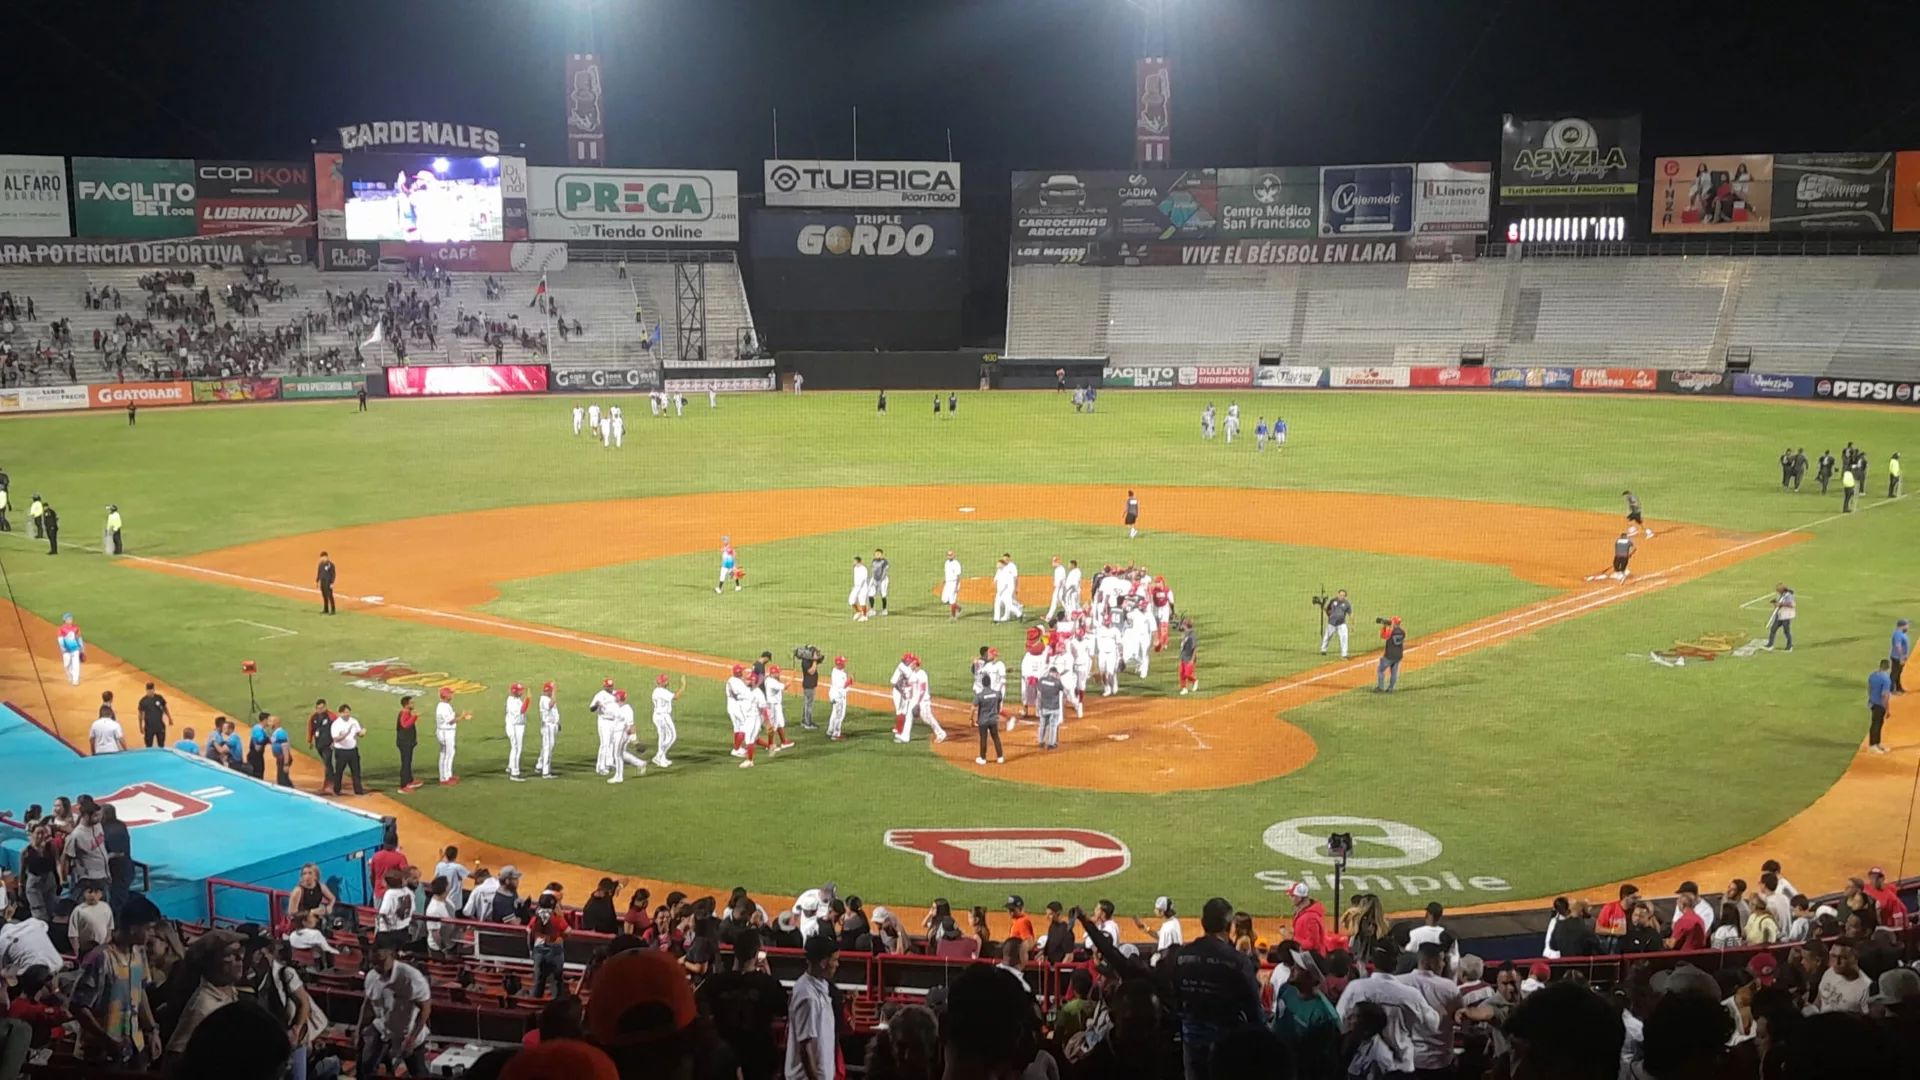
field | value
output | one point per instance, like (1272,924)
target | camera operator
(1394,646)
(809,658)
(1336,612)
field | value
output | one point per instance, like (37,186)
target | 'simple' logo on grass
(150,804)
(1378,845)
(1010,855)
(393,676)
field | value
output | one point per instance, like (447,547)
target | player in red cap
(622,736)
(754,715)
(950,587)
(663,728)
(901,682)
(445,722)
(516,729)
(776,689)
(549,729)
(837,689)
(602,709)
(739,696)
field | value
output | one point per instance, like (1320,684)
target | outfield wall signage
(1366,200)
(133,197)
(1269,203)
(1637,379)
(262,198)
(121,395)
(210,390)
(43,398)
(342,386)
(1388,377)
(734,385)
(436,380)
(575,380)
(1716,193)
(184,252)
(1532,378)
(921,185)
(1315,252)
(1696,382)
(1833,192)
(1756,384)
(1447,378)
(827,235)
(670,206)
(1286,377)
(1452,197)
(1878,390)
(1569,159)
(33,196)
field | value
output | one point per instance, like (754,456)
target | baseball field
(1550,733)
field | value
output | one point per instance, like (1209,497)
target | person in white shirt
(516,729)
(1103,921)
(1433,1047)
(549,729)
(837,687)
(1073,585)
(395,914)
(1170,933)
(445,726)
(1006,581)
(1772,866)
(916,699)
(1409,1016)
(593,418)
(950,587)
(440,936)
(27,944)
(1844,987)
(578,413)
(450,870)
(397,1005)
(1058,600)
(664,733)
(862,591)
(621,735)
(776,691)
(754,716)
(346,749)
(619,428)
(602,708)
(739,700)
(1431,932)
(1106,651)
(106,735)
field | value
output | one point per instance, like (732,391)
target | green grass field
(1558,758)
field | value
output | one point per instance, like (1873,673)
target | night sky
(1020,83)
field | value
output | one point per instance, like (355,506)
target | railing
(1495,248)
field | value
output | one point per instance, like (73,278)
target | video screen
(422,198)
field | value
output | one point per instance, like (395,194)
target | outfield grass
(1558,758)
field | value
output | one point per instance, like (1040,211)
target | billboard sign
(1267,203)
(323,386)
(1696,382)
(1713,193)
(330,195)
(1532,378)
(42,398)
(586,120)
(253,180)
(1569,159)
(1315,252)
(121,395)
(33,196)
(1452,196)
(815,234)
(208,390)
(1385,377)
(466,137)
(918,184)
(1152,111)
(1906,191)
(144,198)
(190,251)
(1366,200)
(1758,384)
(1062,217)
(1288,377)
(688,206)
(1635,379)
(574,380)
(1878,390)
(436,380)
(1833,192)
(1450,378)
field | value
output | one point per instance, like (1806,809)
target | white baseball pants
(837,718)
(516,740)
(603,760)
(667,734)
(1328,633)
(446,737)
(548,733)
(71,661)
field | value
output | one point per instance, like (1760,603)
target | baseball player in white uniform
(776,691)
(663,729)
(1005,580)
(1058,601)
(593,418)
(1032,666)
(1073,585)
(1074,664)
(1233,421)
(621,734)
(445,725)
(578,414)
(862,593)
(549,730)
(606,431)
(837,686)
(739,698)
(1106,650)
(602,708)
(1136,644)
(900,680)
(516,729)
(754,715)
(950,587)
(619,426)
(920,699)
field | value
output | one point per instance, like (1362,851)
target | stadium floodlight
(489,162)
(440,164)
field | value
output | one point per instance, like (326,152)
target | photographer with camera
(1334,613)
(1393,648)
(809,657)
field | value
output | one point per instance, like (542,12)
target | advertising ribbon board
(491,256)
(1876,390)
(121,395)
(446,379)
(1833,192)
(1569,159)
(1713,194)
(1450,377)
(575,380)
(689,206)
(205,390)
(1756,384)
(1532,378)
(190,251)
(1366,200)
(324,386)
(1386,377)
(1140,377)
(33,196)
(146,198)
(43,398)
(1287,377)
(1182,377)
(1260,204)
(1644,380)
(1696,382)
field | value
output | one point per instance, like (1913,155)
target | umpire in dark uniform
(50,524)
(324,576)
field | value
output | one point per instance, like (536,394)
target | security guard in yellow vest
(112,538)
(35,510)
(1893,483)
(1849,487)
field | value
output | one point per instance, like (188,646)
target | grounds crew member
(324,576)
(50,522)
(1337,611)
(1893,485)
(34,510)
(110,538)
(1849,486)
(1899,650)
(1393,648)
(5,483)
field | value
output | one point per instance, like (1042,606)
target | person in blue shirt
(257,749)
(187,744)
(217,743)
(1260,436)
(1879,694)
(282,745)
(1279,432)
(236,748)
(1900,649)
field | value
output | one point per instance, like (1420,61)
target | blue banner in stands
(1532,378)
(1757,384)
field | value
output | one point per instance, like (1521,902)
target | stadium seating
(1849,316)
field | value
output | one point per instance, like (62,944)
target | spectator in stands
(1304,1019)
(310,895)
(977,930)
(1431,932)
(1408,1016)
(394,1015)
(1565,1032)
(496,898)
(241,1041)
(1761,928)
(991,1027)
(278,989)
(214,966)
(1879,953)
(117,1027)
(1857,904)
(1611,925)
(1727,929)
(1643,930)
(1838,1045)
(1844,988)
(1433,1047)
(889,936)
(908,1048)
(744,1001)
(85,851)
(1689,930)
(811,1017)
(1055,942)
(393,919)
(119,843)
(1309,921)
(1891,911)
(36,1002)
(597,914)
(950,943)
(40,872)
(1686,1036)
(547,943)
(1799,926)
(90,923)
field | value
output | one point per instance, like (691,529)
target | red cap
(547,686)
(516,688)
(1763,965)
(906,658)
(773,669)
(992,652)
(1876,871)
(446,693)
(751,677)
(661,678)
(619,695)
(607,685)
(738,668)
(1540,971)
(839,661)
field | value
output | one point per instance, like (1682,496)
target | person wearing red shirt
(1892,911)
(37,1004)
(1688,932)
(387,858)
(1611,926)
(1309,921)
(406,736)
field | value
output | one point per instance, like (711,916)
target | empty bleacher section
(1847,316)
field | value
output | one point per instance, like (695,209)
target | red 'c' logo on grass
(150,804)
(1015,854)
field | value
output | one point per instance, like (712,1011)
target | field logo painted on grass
(392,676)
(1378,845)
(1010,855)
(150,804)
(1708,647)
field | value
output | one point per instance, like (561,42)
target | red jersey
(1161,596)
(383,861)
(1689,932)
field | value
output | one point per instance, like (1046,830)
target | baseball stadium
(1431,531)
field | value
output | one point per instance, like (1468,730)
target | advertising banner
(33,196)
(513,198)
(1644,380)
(586,122)
(1753,384)
(438,379)
(1152,111)
(255,217)
(1696,382)
(485,256)
(1450,377)
(133,197)
(1833,192)
(574,380)
(737,385)
(1210,376)
(349,255)
(1316,252)
(192,251)
(1366,200)
(1268,203)
(262,198)
(1078,217)
(121,395)
(43,398)
(1182,377)
(1906,191)
(922,185)
(1713,193)
(1389,377)
(1287,377)
(1878,390)
(690,206)
(1569,159)
(330,195)
(1141,377)
(1452,196)
(1532,378)
(322,386)
(205,390)
(815,234)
